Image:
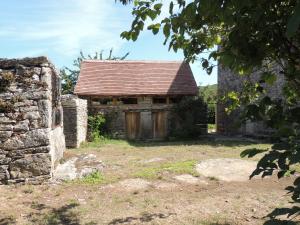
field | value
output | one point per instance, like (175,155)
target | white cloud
(65,26)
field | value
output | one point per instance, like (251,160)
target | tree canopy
(70,75)
(253,36)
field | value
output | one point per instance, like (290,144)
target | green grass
(103,142)
(183,167)
(93,178)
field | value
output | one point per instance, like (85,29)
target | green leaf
(171,8)
(154,27)
(134,36)
(158,6)
(293,22)
(166,30)
(152,14)
(125,35)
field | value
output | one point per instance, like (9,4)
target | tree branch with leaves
(70,75)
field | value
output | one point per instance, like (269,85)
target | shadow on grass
(289,212)
(203,141)
(280,222)
(213,140)
(9,220)
(147,217)
(65,215)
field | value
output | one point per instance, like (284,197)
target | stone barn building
(31,133)
(230,124)
(137,95)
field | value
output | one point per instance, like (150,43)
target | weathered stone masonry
(75,120)
(31,133)
(229,81)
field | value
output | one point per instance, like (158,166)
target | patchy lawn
(139,185)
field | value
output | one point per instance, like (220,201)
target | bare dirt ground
(149,183)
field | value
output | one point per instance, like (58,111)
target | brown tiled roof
(119,78)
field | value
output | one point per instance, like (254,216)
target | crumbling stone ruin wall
(229,81)
(75,120)
(31,126)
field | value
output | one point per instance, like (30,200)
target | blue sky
(59,29)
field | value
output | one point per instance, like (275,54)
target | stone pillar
(75,120)
(31,138)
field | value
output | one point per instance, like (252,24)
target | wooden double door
(136,125)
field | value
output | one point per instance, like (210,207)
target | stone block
(37,95)
(4,174)
(6,127)
(46,74)
(31,166)
(32,115)
(6,120)
(20,153)
(5,134)
(34,124)
(32,138)
(24,103)
(4,160)
(29,109)
(22,126)
(45,113)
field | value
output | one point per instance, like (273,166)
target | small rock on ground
(134,184)
(153,160)
(164,185)
(189,179)
(226,169)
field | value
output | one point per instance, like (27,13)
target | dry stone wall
(75,120)
(31,133)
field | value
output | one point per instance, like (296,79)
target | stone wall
(75,120)
(31,137)
(229,81)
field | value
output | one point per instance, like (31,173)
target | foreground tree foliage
(70,75)
(255,36)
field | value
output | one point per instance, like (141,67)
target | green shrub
(96,125)
(189,118)
(211,113)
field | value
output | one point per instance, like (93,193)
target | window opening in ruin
(129,101)
(174,100)
(105,101)
(159,100)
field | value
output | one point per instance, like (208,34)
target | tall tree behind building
(70,75)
